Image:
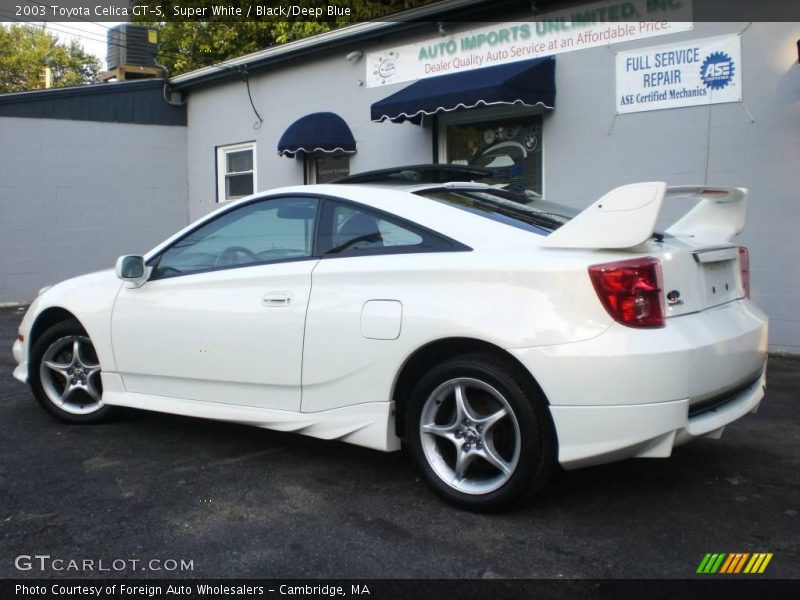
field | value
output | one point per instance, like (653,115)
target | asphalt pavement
(238,501)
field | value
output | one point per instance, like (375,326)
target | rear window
(516,210)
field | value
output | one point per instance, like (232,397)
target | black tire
(535,454)
(64,334)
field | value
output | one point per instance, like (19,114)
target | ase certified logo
(717,70)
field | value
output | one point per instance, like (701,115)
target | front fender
(90,299)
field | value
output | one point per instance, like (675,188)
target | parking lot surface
(246,502)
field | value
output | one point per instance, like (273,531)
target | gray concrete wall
(587,150)
(74,195)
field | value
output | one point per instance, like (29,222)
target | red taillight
(631,291)
(20,337)
(744,269)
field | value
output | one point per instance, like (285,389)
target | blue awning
(525,83)
(317,132)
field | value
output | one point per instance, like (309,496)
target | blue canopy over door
(524,83)
(318,132)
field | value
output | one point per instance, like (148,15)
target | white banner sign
(581,27)
(706,71)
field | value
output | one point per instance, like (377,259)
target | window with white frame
(236,171)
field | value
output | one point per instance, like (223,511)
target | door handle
(277,299)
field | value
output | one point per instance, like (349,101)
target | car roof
(433,173)
(416,188)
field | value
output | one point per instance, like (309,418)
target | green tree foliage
(25,52)
(188,45)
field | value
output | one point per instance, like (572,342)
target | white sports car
(496,335)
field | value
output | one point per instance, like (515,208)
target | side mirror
(132,270)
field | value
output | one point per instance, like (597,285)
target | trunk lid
(698,276)
(700,267)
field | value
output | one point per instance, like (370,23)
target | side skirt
(370,424)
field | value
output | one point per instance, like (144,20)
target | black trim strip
(716,401)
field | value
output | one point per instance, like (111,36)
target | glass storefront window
(327,168)
(511,147)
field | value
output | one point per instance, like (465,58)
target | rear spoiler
(626,216)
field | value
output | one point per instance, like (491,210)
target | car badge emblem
(674,298)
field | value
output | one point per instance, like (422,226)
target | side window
(261,232)
(236,171)
(351,230)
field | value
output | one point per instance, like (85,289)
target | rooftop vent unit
(131,51)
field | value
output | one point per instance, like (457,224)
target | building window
(236,171)
(509,146)
(326,167)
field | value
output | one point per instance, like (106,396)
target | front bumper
(21,371)
(21,350)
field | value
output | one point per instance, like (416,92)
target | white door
(373,271)
(222,317)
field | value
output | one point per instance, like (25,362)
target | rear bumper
(694,357)
(590,435)
(628,392)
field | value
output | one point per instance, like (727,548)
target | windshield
(516,210)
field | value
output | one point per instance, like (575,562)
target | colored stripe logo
(734,563)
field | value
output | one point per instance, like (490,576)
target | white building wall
(222,115)
(74,195)
(587,150)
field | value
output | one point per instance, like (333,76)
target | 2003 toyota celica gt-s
(497,336)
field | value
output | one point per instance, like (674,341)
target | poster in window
(510,148)
(329,168)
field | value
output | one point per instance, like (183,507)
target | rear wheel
(480,432)
(65,375)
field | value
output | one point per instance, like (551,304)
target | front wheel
(481,433)
(65,375)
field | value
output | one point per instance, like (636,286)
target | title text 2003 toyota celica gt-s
(496,336)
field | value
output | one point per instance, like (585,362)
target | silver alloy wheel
(470,435)
(70,375)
